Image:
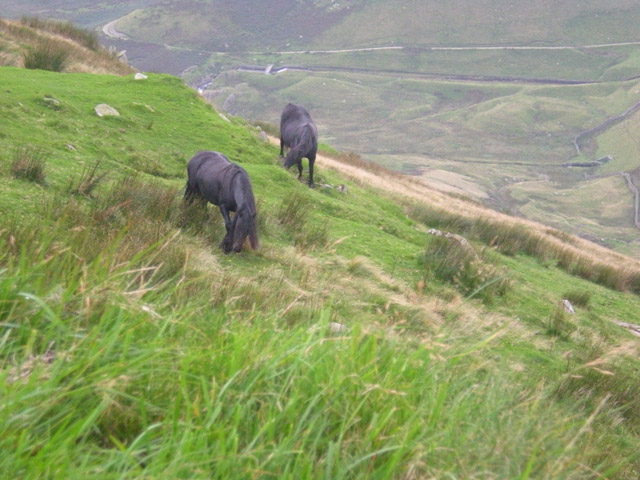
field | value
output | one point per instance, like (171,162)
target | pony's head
(243,225)
(293,158)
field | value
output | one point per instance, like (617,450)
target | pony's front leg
(226,241)
(300,169)
(225,215)
(281,147)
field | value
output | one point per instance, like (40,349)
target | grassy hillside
(353,344)
(448,102)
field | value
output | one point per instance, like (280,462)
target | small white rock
(140,76)
(566,304)
(335,327)
(104,110)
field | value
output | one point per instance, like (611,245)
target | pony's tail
(189,193)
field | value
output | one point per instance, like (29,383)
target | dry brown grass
(17,39)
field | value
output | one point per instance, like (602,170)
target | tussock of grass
(558,323)
(310,237)
(89,180)
(47,55)
(579,298)
(293,213)
(294,210)
(448,260)
(28,164)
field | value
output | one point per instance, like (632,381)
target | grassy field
(346,347)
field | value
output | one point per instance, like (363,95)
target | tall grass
(513,239)
(47,55)
(89,180)
(293,213)
(117,389)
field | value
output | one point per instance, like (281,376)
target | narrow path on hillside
(270,70)
(444,48)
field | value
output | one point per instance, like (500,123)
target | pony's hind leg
(312,160)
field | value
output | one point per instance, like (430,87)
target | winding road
(110,31)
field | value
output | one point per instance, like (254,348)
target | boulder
(104,110)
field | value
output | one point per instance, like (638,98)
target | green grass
(131,346)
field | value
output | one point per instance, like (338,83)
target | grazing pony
(213,178)
(300,135)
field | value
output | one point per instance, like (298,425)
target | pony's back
(293,117)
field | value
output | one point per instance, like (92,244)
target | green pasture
(131,347)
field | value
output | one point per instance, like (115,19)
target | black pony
(213,178)
(300,135)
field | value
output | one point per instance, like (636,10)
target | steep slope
(343,348)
